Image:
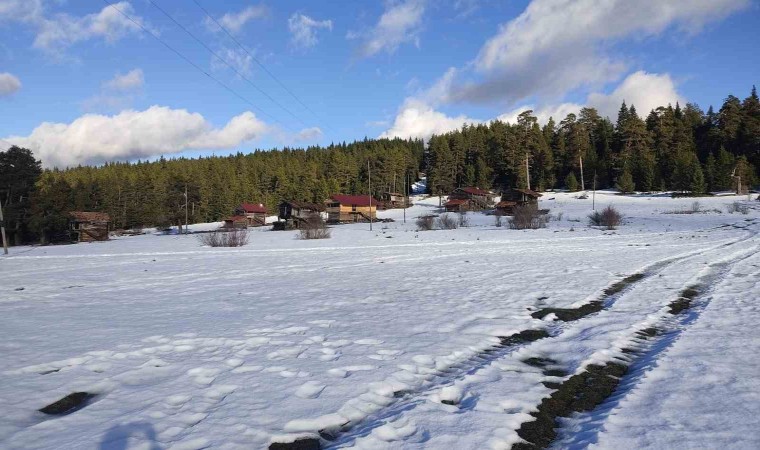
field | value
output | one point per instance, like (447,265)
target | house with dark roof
(255,213)
(89,226)
(294,214)
(521,196)
(474,199)
(351,208)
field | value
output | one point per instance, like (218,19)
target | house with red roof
(351,208)
(254,213)
(469,199)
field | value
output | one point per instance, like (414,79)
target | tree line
(152,193)
(673,148)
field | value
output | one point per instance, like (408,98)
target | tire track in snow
(391,399)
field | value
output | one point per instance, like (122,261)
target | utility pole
(369,185)
(583,185)
(2,229)
(186,208)
(593,196)
(406,195)
(527,169)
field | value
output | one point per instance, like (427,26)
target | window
(353,208)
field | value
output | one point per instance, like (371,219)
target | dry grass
(448,222)
(221,238)
(737,207)
(528,217)
(609,218)
(314,228)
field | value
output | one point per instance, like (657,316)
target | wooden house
(351,208)
(459,205)
(477,199)
(521,196)
(237,221)
(395,200)
(255,213)
(89,226)
(505,208)
(294,214)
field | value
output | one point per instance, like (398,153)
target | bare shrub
(498,220)
(737,207)
(609,218)
(314,228)
(464,220)
(447,222)
(528,217)
(425,223)
(695,207)
(222,238)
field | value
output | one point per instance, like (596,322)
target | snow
(391,330)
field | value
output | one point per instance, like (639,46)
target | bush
(609,217)
(447,222)
(314,228)
(464,221)
(737,207)
(696,207)
(220,238)
(425,223)
(498,220)
(526,217)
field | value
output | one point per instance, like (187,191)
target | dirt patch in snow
(298,444)
(68,404)
(683,302)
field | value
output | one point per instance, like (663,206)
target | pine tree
(625,182)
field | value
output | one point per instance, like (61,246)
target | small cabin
(238,221)
(458,205)
(255,213)
(522,196)
(505,208)
(89,226)
(479,199)
(351,208)
(294,214)
(395,200)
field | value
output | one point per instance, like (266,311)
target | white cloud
(94,138)
(556,45)
(56,32)
(9,84)
(400,23)
(417,119)
(235,57)
(131,80)
(645,91)
(234,22)
(304,30)
(308,134)
(558,112)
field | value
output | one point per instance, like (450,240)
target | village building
(521,196)
(237,221)
(351,208)
(255,213)
(469,199)
(295,214)
(89,226)
(394,200)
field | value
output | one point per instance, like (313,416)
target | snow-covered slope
(360,336)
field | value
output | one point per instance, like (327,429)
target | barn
(522,196)
(477,198)
(294,214)
(88,226)
(255,213)
(351,208)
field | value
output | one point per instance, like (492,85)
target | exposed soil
(298,444)
(68,404)
(683,302)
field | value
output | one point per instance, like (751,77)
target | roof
(253,208)
(358,200)
(476,191)
(304,205)
(235,219)
(528,192)
(455,202)
(89,216)
(505,204)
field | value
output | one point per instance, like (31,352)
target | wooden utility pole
(2,229)
(527,169)
(583,185)
(369,186)
(593,196)
(406,195)
(186,211)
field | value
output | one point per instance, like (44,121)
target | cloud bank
(9,84)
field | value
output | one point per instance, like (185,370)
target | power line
(241,75)
(197,67)
(282,85)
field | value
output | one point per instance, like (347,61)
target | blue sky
(81,83)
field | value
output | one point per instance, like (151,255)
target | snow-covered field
(367,336)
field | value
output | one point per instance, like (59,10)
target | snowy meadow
(392,338)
